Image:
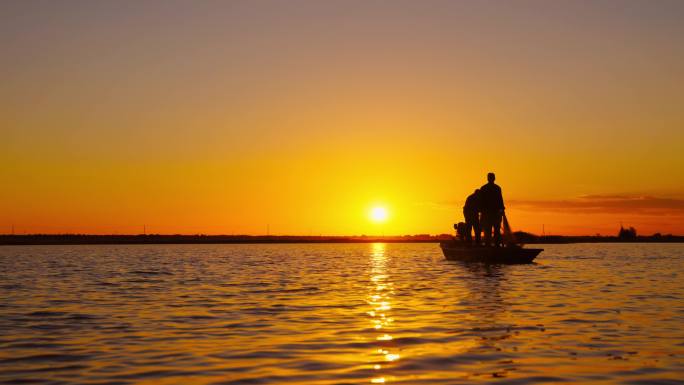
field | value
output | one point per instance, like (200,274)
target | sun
(378,214)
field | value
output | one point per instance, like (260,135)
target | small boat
(513,254)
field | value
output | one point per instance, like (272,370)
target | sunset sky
(227,117)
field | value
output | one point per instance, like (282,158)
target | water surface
(339,314)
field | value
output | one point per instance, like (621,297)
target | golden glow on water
(309,314)
(391,357)
(381,291)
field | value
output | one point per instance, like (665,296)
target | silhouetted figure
(460,228)
(471,212)
(492,208)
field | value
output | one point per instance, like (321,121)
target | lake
(339,314)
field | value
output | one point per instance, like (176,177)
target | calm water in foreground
(339,314)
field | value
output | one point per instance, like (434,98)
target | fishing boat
(512,254)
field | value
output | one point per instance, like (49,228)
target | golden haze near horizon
(301,117)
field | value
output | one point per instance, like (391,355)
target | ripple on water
(339,314)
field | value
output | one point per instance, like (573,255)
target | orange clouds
(611,204)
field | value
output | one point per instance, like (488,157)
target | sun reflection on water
(320,314)
(381,292)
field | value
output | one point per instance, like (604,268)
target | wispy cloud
(633,204)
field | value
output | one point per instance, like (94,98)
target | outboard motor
(460,228)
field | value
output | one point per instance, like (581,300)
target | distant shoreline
(145,239)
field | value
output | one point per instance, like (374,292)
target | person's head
(491,177)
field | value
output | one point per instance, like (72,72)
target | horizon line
(596,235)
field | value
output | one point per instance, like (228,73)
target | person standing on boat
(471,212)
(492,208)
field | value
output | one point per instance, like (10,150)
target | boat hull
(454,251)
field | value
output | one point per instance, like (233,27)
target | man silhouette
(471,212)
(492,208)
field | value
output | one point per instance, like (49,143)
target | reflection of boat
(458,251)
